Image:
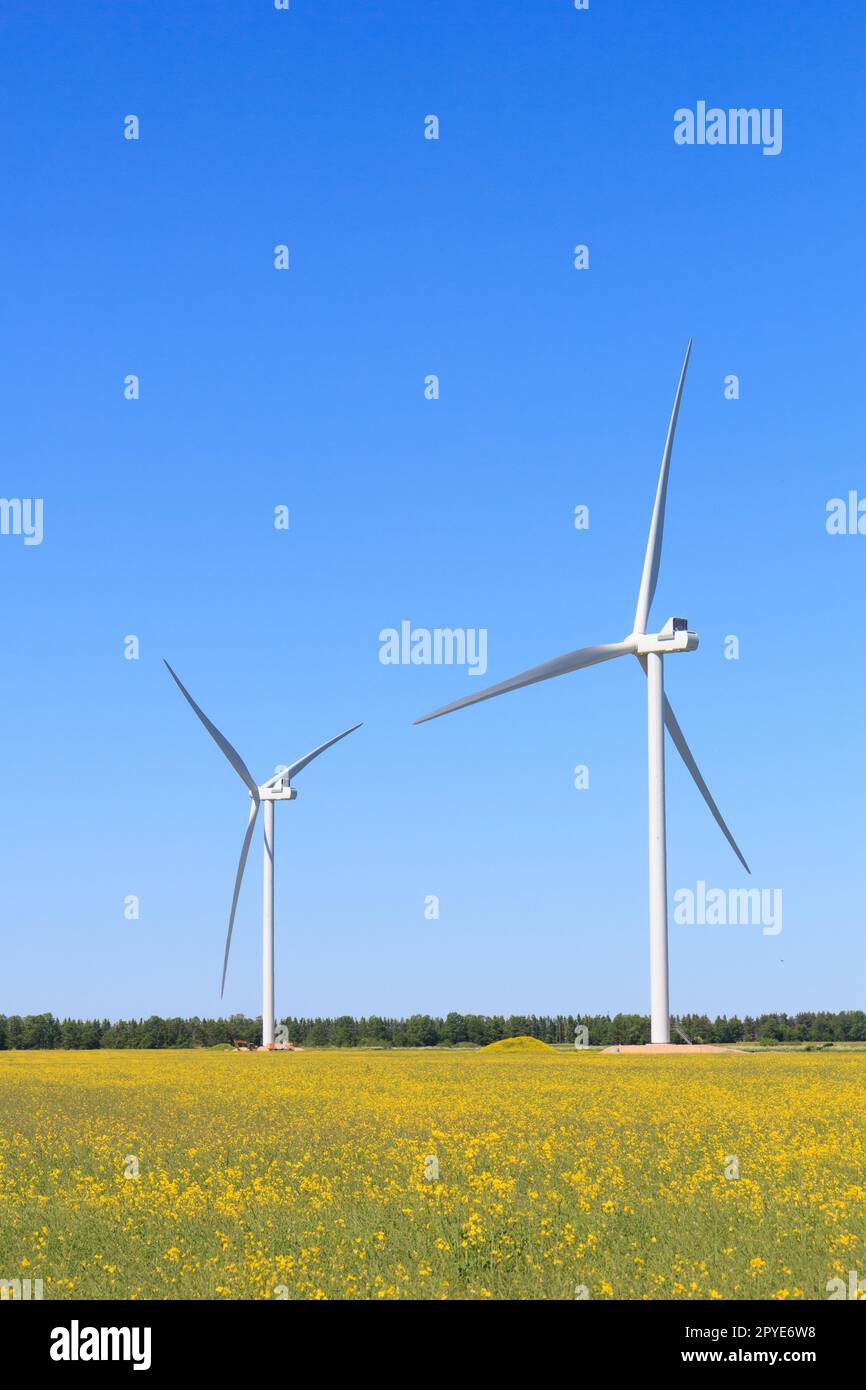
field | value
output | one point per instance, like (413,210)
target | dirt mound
(522,1044)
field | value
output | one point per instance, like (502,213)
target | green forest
(421,1030)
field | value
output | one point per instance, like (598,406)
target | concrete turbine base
(683,1049)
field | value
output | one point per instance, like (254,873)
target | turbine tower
(650,649)
(277,788)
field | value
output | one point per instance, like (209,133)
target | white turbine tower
(277,788)
(650,650)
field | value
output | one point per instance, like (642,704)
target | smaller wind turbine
(277,788)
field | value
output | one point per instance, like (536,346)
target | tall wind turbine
(650,649)
(277,788)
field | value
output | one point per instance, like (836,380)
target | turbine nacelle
(673,637)
(277,789)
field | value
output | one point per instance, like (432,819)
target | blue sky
(305,388)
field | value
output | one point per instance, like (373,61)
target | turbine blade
(242,863)
(685,753)
(687,756)
(653,556)
(559,666)
(295,768)
(223,744)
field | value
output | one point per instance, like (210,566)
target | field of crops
(313,1175)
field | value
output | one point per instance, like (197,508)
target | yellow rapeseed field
(314,1175)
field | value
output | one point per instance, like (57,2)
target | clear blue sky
(305,388)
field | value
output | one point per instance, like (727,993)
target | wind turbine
(650,650)
(277,788)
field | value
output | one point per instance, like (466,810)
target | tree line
(420,1030)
